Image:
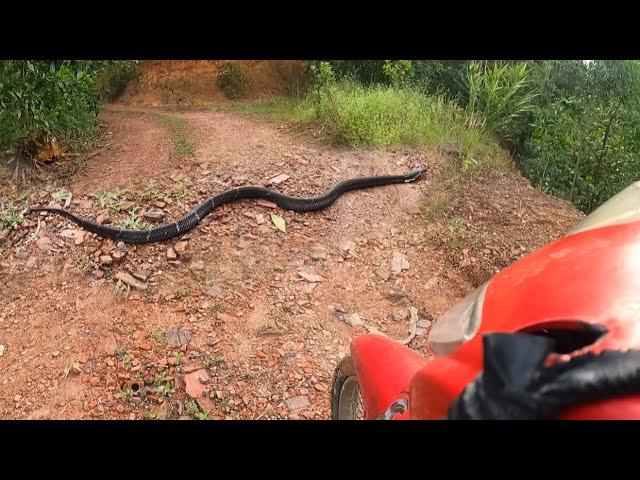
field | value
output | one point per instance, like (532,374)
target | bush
(54,98)
(113,79)
(500,93)
(385,115)
(232,80)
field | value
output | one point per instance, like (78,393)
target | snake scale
(188,221)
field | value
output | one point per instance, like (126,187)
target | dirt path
(267,314)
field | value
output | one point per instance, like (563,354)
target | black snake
(185,223)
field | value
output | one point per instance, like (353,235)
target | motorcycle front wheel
(346,395)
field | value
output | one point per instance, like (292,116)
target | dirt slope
(267,314)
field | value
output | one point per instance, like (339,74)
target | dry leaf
(278,221)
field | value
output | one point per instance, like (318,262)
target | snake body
(188,221)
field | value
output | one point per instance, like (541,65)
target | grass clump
(182,146)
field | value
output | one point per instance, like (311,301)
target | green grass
(10,216)
(385,116)
(133,221)
(182,146)
(111,199)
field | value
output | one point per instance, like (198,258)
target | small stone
(129,280)
(79,238)
(55,354)
(194,383)
(398,263)
(43,243)
(121,245)
(140,276)
(4,233)
(105,260)
(97,274)
(259,219)
(354,320)
(181,247)
(103,218)
(347,246)
(177,338)
(159,204)
(318,255)
(94,381)
(74,369)
(297,403)
(127,205)
(278,179)
(154,215)
(86,203)
(401,314)
(171,254)
(266,203)
(118,255)
(309,276)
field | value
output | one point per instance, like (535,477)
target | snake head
(414,175)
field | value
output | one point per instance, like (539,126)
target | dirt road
(236,318)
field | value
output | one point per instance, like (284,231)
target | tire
(346,395)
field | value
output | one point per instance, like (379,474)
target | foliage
(499,93)
(397,72)
(114,77)
(54,98)
(232,80)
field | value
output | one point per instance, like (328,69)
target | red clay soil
(176,82)
(267,314)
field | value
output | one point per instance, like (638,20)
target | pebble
(154,215)
(181,247)
(129,280)
(297,403)
(278,179)
(171,254)
(310,276)
(398,263)
(105,260)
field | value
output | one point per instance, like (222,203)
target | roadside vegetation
(572,127)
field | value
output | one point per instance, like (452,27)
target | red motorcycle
(555,335)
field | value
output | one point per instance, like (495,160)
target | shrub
(113,79)
(386,115)
(232,80)
(500,93)
(38,98)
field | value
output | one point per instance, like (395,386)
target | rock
(121,246)
(4,233)
(74,369)
(44,243)
(383,274)
(118,255)
(55,354)
(347,246)
(398,263)
(86,203)
(154,215)
(177,338)
(354,320)
(127,205)
(97,274)
(318,255)
(103,218)
(105,260)
(94,381)
(266,203)
(79,239)
(68,233)
(215,292)
(401,314)
(309,276)
(278,179)
(260,219)
(107,345)
(140,276)
(181,247)
(297,403)
(194,383)
(2,349)
(129,280)
(171,254)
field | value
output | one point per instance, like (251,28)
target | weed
(157,336)
(182,292)
(149,191)
(191,408)
(133,221)
(178,358)
(111,199)
(9,216)
(127,360)
(213,360)
(182,146)
(232,80)
(61,195)
(125,394)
